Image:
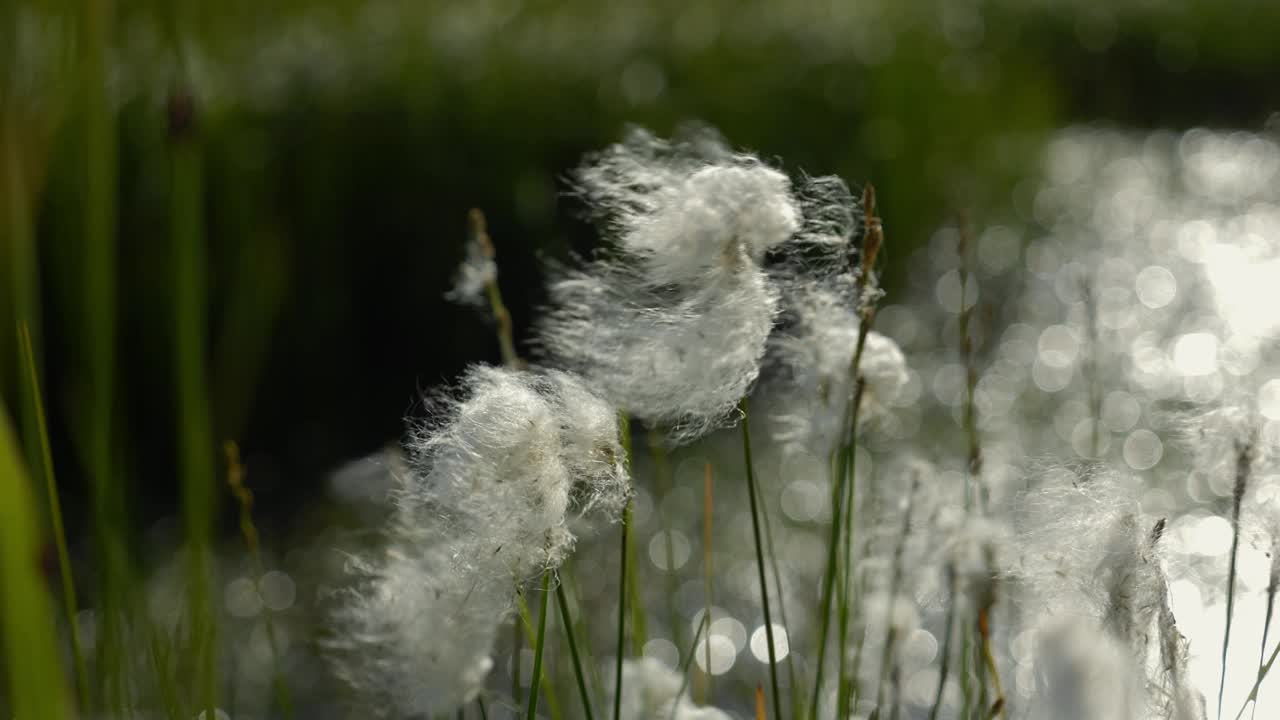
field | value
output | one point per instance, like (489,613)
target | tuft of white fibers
(1090,555)
(814,384)
(652,691)
(494,479)
(473,276)
(672,321)
(1083,673)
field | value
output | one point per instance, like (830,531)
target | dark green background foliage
(343,143)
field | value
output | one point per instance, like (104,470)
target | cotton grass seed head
(670,323)
(495,476)
(813,381)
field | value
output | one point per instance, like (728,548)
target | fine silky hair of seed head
(1090,557)
(670,323)
(811,380)
(496,475)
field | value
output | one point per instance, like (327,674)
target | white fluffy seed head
(814,382)
(672,321)
(651,691)
(494,478)
(681,362)
(690,208)
(1083,673)
(473,276)
(1087,548)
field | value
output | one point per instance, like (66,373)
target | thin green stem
(948,634)
(565,620)
(1253,693)
(547,687)
(622,612)
(796,697)
(752,493)
(708,483)
(1266,627)
(624,430)
(843,694)
(536,679)
(98,323)
(1244,462)
(193,423)
(55,517)
(688,660)
(828,578)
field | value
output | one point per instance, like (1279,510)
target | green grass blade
(55,517)
(1244,464)
(525,625)
(197,465)
(536,679)
(624,429)
(35,682)
(565,620)
(688,660)
(752,493)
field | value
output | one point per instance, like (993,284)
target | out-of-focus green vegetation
(236,220)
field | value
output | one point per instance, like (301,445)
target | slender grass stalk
(501,316)
(537,648)
(565,620)
(948,633)
(244,498)
(761,713)
(688,660)
(484,712)
(622,611)
(989,659)
(753,493)
(1272,586)
(966,677)
(23,276)
(190,382)
(624,428)
(639,624)
(592,668)
(55,516)
(847,582)
(708,486)
(1262,675)
(98,325)
(842,492)
(526,626)
(828,580)
(27,629)
(1244,465)
(772,556)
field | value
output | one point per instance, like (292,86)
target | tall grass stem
(536,679)
(753,493)
(55,517)
(567,622)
